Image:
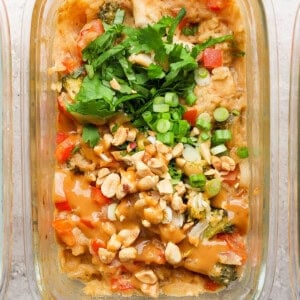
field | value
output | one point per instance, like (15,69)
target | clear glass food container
(5,150)
(294,168)
(38,143)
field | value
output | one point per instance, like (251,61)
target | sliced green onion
(204,136)
(221,136)
(203,124)
(147,116)
(163,125)
(119,17)
(161,108)
(242,152)
(218,149)
(183,128)
(166,138)
(175,115)
(158,100)
(235,112)
(202,77)
(197,180)
(221,114)
(172,99)
(166,116)
(184,140)
(213,187)
(190,98)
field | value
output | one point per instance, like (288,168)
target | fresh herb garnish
(90,135)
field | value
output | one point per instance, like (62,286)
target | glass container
(5,150)
(38,131)
(294,168)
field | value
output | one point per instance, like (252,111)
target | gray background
(285,14)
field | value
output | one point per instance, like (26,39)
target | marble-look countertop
(18,288)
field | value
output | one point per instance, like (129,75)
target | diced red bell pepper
(216,5)
(63,206)
(212,58)
(191,116)
(98,197)
(210,285)
(60,137)
(183,23)
(63,229)
(88,33)
(96,244)
(64,150)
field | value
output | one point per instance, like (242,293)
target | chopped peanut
(114,244)
(146,276)
(172,253)
(110,184)
(165,187)
(106,256)
(128,236)
(127,254)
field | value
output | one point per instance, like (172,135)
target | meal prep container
(38,123)
(294,167)
(5,149)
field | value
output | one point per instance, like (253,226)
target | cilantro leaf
(92,89)
(90,135)
(152,41)
(175,23)
(102,43)
(94,108)
(106,55)
(155,72)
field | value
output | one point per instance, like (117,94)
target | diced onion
(244,173)
(111,212)
(178,219)
(190,153)
(198,229)
(151,139)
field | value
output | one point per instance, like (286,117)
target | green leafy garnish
(90,135)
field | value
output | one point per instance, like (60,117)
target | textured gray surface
(285,13)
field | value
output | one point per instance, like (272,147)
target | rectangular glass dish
(5,150)
(294,168)
(38,146)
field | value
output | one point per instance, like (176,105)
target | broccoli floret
(219,223)
(197,206)
(108,11)
(72,85)
(223,274)
(174,172)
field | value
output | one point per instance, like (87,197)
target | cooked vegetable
(219,223)
(242,152)
(197,180)
(212,58)
(108,11)
(72,85)
(223,274)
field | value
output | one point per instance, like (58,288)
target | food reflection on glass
(152,175)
